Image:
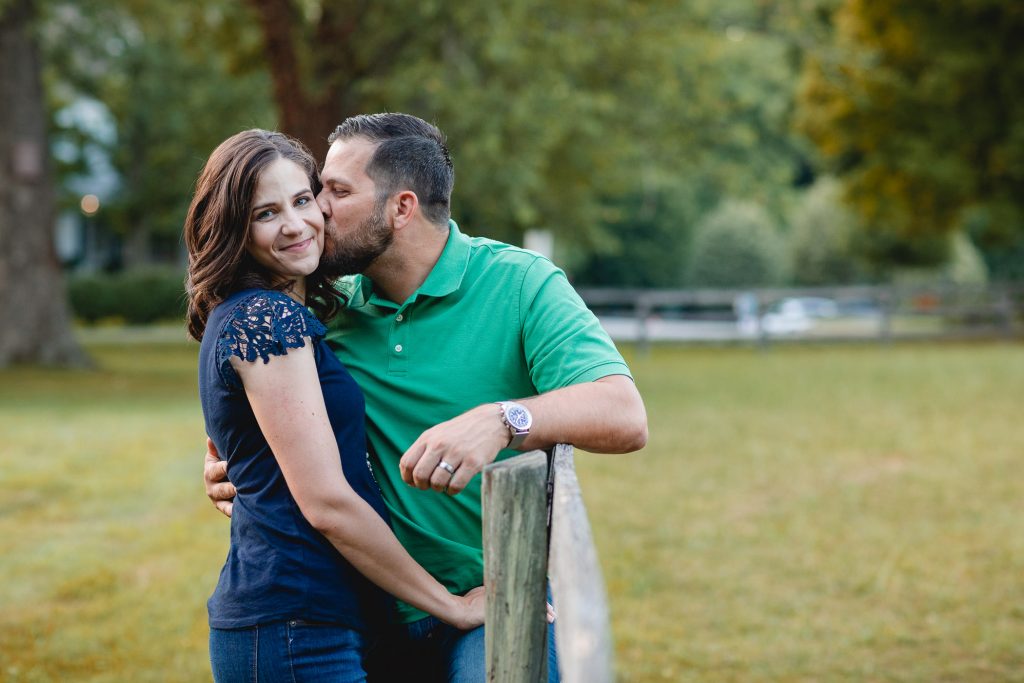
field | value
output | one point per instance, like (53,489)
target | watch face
(517,416)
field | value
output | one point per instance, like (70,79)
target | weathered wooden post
(762,331)
(582,628)
(886,303)
(515,568)
(642,310)
(1005,307)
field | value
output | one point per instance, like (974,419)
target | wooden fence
(880,313)
(521,496)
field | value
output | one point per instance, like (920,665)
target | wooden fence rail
(884,312)
(517,567)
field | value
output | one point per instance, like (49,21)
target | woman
(309,530)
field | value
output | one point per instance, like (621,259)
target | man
(467,350)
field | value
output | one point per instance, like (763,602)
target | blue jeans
(431,651)
(287,651)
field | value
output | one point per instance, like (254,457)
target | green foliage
(919,107)
(886,254)
(830,246)
(650,237)
(548,108)
(133,296)
(963,264)
(1005,263)
(998,230)
(737,245)
(555,110)
(172,88)
(822,236)
(561,114)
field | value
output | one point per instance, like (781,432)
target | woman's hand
(468,610)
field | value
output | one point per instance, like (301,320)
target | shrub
(737,245)
(821,241)
(135,296)
(963,265)
(966,265)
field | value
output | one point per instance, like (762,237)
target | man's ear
(405,206)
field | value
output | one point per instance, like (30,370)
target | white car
(797,314)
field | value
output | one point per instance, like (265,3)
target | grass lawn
(801,514)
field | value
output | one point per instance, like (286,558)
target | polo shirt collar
(446,275)
(444,278)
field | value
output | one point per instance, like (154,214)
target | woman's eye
(265,214)
(302,201)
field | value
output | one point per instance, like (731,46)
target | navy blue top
(278,566)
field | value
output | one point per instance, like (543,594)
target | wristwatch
(518,420)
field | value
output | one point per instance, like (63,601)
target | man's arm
(603,416)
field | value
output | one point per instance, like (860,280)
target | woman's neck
(296,289)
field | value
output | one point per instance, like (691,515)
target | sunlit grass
(107,545)
(819,514)
(801,514)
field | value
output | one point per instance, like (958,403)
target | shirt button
(398,348)
(399,318)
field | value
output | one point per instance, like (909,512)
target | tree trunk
(35,325)
(308,116)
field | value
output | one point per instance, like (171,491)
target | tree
(534,95)
(36,323)
(556,109)
(559,112)
(172,98)
(918,107)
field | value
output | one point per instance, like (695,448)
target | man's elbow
(631,432)
(641,435)
(634,436)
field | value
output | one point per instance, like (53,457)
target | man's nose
(321,201)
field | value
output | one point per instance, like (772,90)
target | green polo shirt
(491,322)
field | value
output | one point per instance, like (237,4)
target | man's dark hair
(411,155)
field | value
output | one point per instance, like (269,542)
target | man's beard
(355,251)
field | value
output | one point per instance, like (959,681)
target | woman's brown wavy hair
(217,226)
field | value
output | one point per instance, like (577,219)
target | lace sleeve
(265,324)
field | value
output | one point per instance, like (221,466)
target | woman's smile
(299,246)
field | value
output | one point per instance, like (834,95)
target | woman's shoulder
(256,324)
(265,320)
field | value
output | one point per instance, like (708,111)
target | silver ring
(446,467)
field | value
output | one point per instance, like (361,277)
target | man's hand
(603,416)
(215,474)
(465,443)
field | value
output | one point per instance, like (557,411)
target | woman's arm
(288,402)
